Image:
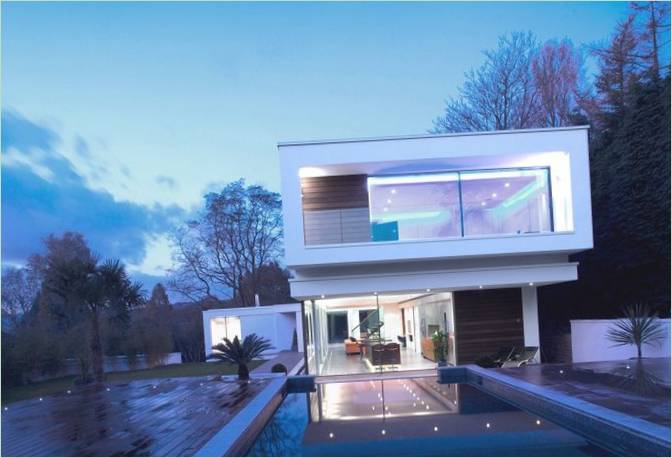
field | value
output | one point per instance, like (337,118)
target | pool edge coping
(239,433)
(654,434)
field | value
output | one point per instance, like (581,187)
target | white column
(299,331)
(207,335)
(531,318)
(317,343)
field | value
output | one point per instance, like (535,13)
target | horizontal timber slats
(334,192)
(486,320)
(335,209)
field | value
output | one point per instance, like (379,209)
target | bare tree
(20,287)
(652,38)
(619,66)
(556,69)
(238,233)
(500,94)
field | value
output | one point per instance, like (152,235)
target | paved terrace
(167,417)
(624,386)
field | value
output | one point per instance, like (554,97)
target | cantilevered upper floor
(436,197)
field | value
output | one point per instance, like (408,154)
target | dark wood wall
(335,209)
(334,192)
(486,320)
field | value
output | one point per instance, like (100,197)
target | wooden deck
(167,417)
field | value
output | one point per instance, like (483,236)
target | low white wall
(276,323)
(590,343)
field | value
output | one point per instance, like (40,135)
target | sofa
(351,348)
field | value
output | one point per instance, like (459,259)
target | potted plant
(235,352)
(639,326)
(440,343)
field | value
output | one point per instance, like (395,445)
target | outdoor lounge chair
(523,358)
(504,354)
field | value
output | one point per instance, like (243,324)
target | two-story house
(392,239)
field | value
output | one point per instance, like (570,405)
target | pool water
(410,417)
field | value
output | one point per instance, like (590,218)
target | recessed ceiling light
(428,290)
(483,204)
(393,191)
(436,428)
(531,284)
(322,296)
(480,287)
(538,422)
(507,184)
(389,201)
(385,209)
(487,425)
(382,432)
(494,194)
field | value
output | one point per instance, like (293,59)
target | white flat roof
(261,310)
(420,136)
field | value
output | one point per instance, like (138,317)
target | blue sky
(117,117)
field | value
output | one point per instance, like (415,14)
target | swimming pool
(410,417)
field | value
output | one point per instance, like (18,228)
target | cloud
(169,182)
(42,193)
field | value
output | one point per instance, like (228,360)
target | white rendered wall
(380,156)
(589,343)
(276,323)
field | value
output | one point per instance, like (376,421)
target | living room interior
(381,332)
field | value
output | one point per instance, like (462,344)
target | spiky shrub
(241,353)
(640,326)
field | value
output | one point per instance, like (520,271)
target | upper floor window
(506,202)
(427,206)
(414,207)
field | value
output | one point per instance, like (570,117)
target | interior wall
(428,312)
(392,319)
(485,321)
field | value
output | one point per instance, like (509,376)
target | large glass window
(414,207)
(222,327)
(506,202)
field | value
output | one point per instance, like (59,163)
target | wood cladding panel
(486,320)
(335,209)
(334,192)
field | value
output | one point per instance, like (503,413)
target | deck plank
(167,417)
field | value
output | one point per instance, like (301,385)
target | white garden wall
(590,343)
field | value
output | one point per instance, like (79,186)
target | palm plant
(639,326)
(235,352)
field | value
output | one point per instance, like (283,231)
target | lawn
(61,384)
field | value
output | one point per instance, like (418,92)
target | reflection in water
(637,378)
(282,435)
(409,417)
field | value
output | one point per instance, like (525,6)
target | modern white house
(399,237)
(281,324)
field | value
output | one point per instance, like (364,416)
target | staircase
(374,331)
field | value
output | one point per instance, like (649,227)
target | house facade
(392,239)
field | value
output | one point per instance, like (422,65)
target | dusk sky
(118,117)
